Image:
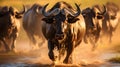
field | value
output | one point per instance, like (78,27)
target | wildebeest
(111,20)
(9,26)
(32,24)
(93,17)
(63,28)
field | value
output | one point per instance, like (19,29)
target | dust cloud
(83,54)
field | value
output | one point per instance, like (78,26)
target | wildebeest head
(88,16)
(14,12)
(61,16)
(94,13)
(99,11)
(9,14)
(8,18)
(112,10)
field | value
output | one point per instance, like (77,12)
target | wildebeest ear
(72,20)
(100,17)
(48,20)
(44,19)
(11,10)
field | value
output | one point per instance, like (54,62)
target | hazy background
(84,52)
(84,3)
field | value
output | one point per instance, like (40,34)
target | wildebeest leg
(31,38)
(42,42)
(85,38)
(68,58)
(0,44)
(51,48)
(94,43)
(96,35)
(14,41)
(5,45)
(110,36)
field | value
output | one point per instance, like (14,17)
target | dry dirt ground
(83,57)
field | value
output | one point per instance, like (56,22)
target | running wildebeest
(32,24)
(110,21)
(93,17)
(9,26)
(63,28)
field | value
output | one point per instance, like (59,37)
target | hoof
(51,56)
(14,50)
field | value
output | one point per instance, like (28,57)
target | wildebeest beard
(62,43)
(62,26)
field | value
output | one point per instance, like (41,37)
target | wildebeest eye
(72,19)
(100,17)
(113,17)
(48,20)
(18,16)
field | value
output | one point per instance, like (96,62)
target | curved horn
(104,10)
(22,12)
(72,13)
(53,12)
(38,10)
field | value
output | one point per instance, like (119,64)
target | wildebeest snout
(59,36)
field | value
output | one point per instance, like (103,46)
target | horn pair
(57,11)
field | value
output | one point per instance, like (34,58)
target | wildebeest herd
(62,26)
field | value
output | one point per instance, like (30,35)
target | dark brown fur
(60,36)
(32,24)
(9,26)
